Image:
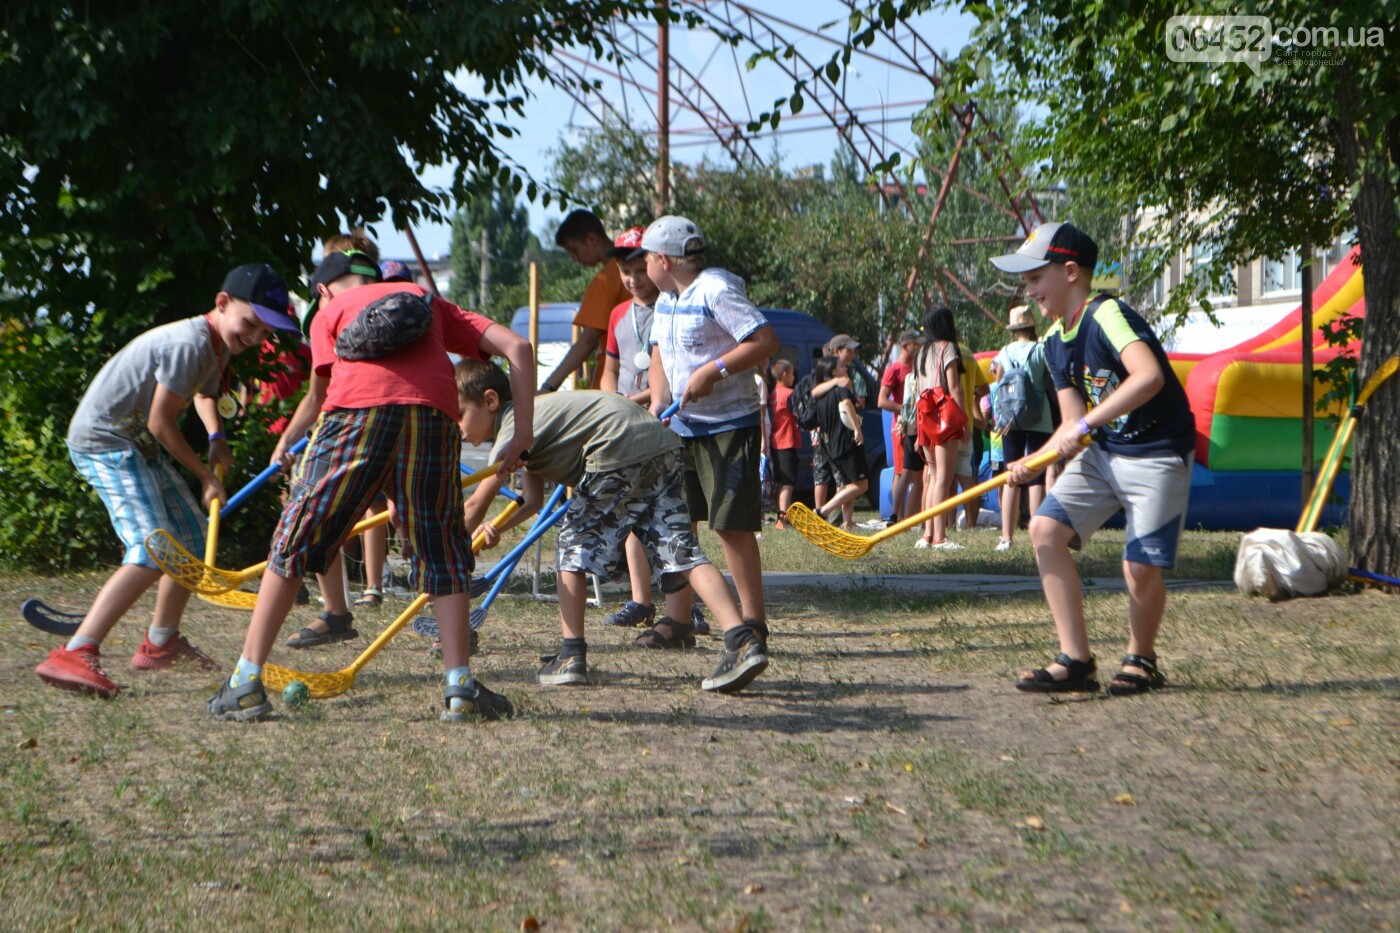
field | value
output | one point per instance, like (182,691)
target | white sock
(80,641)
(245,672)
(159,636)
(462,676)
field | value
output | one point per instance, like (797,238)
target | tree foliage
(511,247)
(147,148)
(1248,164)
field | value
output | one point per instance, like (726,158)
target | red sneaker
(153,657)
(80,669)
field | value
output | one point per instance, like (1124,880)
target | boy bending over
(626,471)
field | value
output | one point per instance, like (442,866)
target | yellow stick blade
(232,599)
(187,570)
(320,686)
(825,535)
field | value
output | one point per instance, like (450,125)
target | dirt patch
(882,775)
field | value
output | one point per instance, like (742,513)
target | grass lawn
(883,774)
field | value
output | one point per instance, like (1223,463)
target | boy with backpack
(1022,415)
(386,411)
(1115,386)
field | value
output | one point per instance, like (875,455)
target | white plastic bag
(1282,564)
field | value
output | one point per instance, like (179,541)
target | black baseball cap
(259,284)
(332,267)
(1051,243)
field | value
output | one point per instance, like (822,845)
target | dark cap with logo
(259,284)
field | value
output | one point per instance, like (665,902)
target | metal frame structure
(640,57)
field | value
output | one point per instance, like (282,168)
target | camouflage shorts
(646,498)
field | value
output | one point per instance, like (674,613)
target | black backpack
(386,325)
(802,404)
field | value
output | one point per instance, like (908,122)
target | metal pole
(484,285)
(1308,403)
(663,110)
(422,263)
(535,312)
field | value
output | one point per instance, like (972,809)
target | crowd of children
(386,412)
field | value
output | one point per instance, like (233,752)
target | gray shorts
(648,498)
(1152,492)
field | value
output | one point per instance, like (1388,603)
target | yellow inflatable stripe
(1265,390)
(1349,294)
(1182,368)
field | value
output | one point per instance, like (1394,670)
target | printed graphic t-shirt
(1163,423)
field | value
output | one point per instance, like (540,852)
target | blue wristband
(719,364)
(216,436)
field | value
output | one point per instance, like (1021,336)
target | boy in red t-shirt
(787,437)
(891,398)
(387,423)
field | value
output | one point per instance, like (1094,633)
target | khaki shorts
(1152,492)
(722,485)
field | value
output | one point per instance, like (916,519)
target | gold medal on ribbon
(228,406)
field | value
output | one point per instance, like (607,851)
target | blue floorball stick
(478,615)
(427,626)
(48,619)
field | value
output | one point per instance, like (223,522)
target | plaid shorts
(410,452)
(646,498)
(142,495)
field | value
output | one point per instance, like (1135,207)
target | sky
(878,92)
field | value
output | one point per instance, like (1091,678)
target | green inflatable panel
(1243,443)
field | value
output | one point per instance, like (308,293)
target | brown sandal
(667,633)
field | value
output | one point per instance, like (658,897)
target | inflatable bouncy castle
(1248,404)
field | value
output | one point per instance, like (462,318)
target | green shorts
(722,484)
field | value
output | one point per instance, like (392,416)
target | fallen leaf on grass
(898,810)
(1033,822)
(30,742)
(908,766)
(1126,800)
(529,924)
(1342,723)
(753,889)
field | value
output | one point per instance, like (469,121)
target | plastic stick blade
(826,536)
(232,599)
(187,570)
(320,686)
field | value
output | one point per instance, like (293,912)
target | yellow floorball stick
(844,544)
(334,683)
(202,577)
(1333,464)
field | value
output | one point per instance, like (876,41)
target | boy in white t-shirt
(706,336)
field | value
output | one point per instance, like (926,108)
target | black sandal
(370,599)
(337,629)
(1125,684)
(667,633)
(1081,678)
